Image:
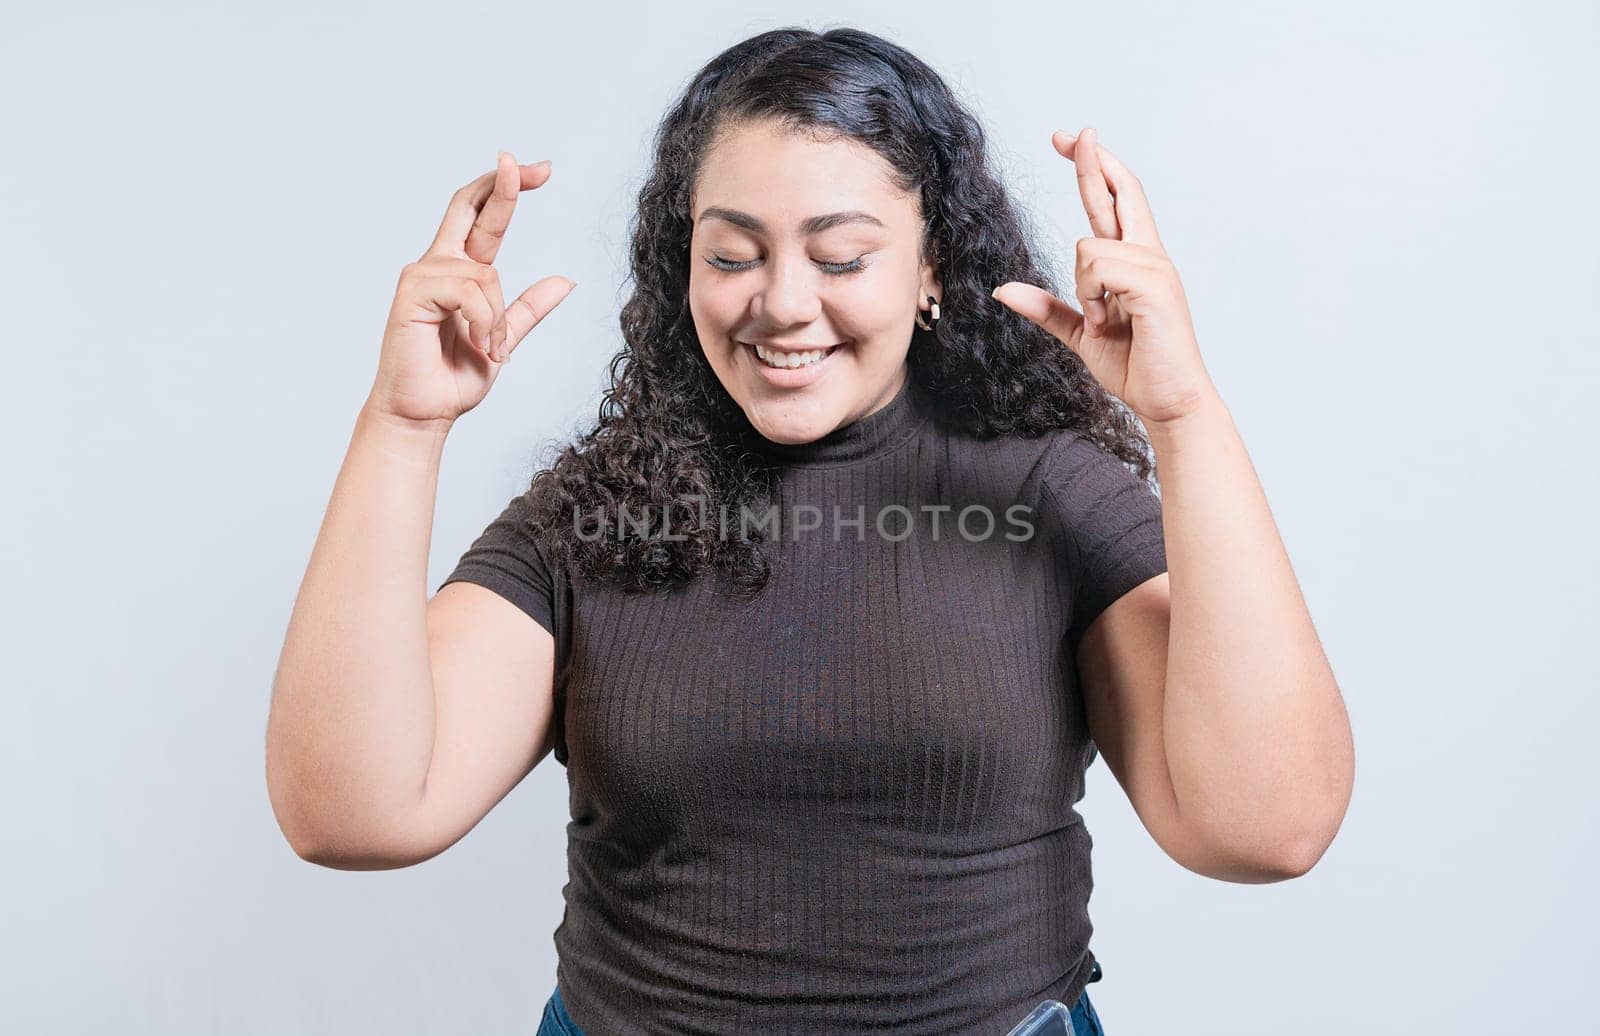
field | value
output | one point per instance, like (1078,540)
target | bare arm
(351,729)
(1208,689)
(1257,738)
(398,721)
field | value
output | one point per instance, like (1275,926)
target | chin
(790,422)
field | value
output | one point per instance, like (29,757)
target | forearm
(1257,739)
(352,718)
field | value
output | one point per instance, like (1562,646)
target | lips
(790,377)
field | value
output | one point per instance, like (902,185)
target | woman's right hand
(449,329)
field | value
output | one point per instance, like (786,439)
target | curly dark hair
(671,441)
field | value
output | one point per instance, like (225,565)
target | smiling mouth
(788,360)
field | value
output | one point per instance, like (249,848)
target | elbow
(1304,852)
(306,846)
(328,846)
(1326,812)
(1293,856)
(1276,840)
(1295,861)
(334,839)
(289,809)
(1244,867)
(1253,854)
(304,838)
(310,851)
(1249,866)
(358,858)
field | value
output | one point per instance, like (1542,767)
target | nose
(789,294)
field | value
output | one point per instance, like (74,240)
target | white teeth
(788,359)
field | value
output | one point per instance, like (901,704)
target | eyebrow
(811,225)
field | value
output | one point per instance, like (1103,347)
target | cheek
(869,305)
(717,303)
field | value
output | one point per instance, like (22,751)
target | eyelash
(855,265)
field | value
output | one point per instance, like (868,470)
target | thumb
(1041,307)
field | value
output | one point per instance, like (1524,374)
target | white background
(1385,219)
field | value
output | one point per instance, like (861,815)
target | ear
(929,283)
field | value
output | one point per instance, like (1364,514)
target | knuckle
(411,275)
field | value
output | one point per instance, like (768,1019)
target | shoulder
(1062,467)
(1093,501)
(1076,492)
(1017,463)
(1080,474)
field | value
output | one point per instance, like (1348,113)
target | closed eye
(733,266)
(853,266)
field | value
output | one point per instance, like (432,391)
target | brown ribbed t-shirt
(848,805)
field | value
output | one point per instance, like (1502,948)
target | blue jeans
(1085,1022)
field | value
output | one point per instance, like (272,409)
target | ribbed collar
(861,439)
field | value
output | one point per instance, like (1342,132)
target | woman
(829,613)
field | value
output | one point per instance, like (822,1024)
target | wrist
(426,435)
(1202,415)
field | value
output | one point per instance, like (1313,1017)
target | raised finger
(1138,223)
(489,229)
(463,211)
(529,308)
(1096,193)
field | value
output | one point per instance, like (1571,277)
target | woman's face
(803,246)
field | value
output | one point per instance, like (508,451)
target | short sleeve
(1113,529)
(507,559)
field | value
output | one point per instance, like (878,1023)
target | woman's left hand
(1138,341)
